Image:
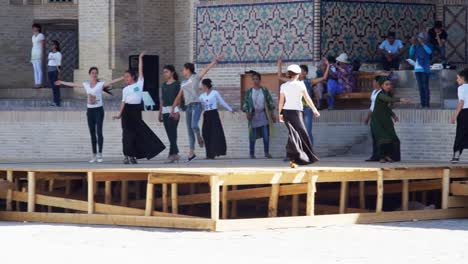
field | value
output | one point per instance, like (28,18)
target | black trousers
(95,123)
(171,130)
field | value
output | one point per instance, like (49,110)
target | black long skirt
(461,139)
(213,135)
(299,147)
(138,139)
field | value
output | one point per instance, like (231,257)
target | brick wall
(424,135)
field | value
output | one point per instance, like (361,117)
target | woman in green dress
(169,90)
(382,123)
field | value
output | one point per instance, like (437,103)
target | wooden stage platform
(227,195)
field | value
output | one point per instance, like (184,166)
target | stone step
(44,104)
(46,93)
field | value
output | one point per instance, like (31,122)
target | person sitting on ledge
(341,79)
(391,50)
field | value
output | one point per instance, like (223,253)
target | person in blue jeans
(421,53)
(309,83)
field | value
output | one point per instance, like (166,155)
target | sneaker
(201,143)
(190,159)
(268,156)
(93,159)
(99,158)
(126,160)
(133,160)
(455,160)
(293,165)
(252,156)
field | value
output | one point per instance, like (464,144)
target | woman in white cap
(299,147)
(341,79)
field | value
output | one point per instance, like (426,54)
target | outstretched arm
(140,66)
(108,84)
(211,65)
(223,103)
(324,77)
(69,84)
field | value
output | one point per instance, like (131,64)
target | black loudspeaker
(151,74)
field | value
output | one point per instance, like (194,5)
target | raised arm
(140,66)
(69,84)
(211,65)
(108,84)
(280,70)
(222,102)
(324,77)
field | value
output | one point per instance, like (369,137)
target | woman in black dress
(461,117)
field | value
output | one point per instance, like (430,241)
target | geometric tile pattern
(357,28)
(68,39)
(255,33)
(456,22)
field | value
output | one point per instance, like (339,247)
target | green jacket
(247,106)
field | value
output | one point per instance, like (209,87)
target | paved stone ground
(414,242)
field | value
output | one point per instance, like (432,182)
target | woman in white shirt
(53,71)
(212,129)
(37,54)
(299,147)
(461,117)
(95,109)
(138,140)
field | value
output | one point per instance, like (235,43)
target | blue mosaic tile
(357,28)
(255,33)
(456,23)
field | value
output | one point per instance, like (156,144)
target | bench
(364,86)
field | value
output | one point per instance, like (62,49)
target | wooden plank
(445,188)
(108,192)
(380,192)
(119,220)
(413,174)
(234,204)
(269,177)
(214,187)
(60,176)
(362,195)
(405,195)
(459,188)
(67,191)
(122,176)
(50,189)
(31,191)
(164,198)
(149,199)
(91,192)
(340,219)
(295,205)
(273,202)
(224,202)
(124,193)
(174,198)
(311,189)
(457,201)
(349,175)
(333,209)
(180,178)
(343,197)
(9,201)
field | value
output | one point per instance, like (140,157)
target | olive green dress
(383,127)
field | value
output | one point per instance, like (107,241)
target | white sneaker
(99,158)
(93,159)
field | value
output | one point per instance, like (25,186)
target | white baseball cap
(295,68)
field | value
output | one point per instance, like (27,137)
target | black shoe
(268,156)
(126,160)
(133,160)
(455,160)
(190,159)
(252,156)
(372,160)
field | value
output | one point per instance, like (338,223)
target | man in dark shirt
(437,39)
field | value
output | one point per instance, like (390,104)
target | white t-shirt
(36,52)
(55,59)
(133,94)
(210,101)
(293,93)
(94,94)
(463,95)
(374,95)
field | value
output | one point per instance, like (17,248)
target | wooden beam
(234,204)
(380,192)
(50,189)
(9,201)
(268,177)
(122,176)
(174,198)
(295,205)
(224,202)
(273,202)
(164,198)
(108,192)
(362,195)
(91,192)
(149,199)
(413,174)
(31,191)
(457,201)
(311,188)
(124,193)
(343,197)
(445,188)
(178,178)
(405,195)
(119,220)
(214,186)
